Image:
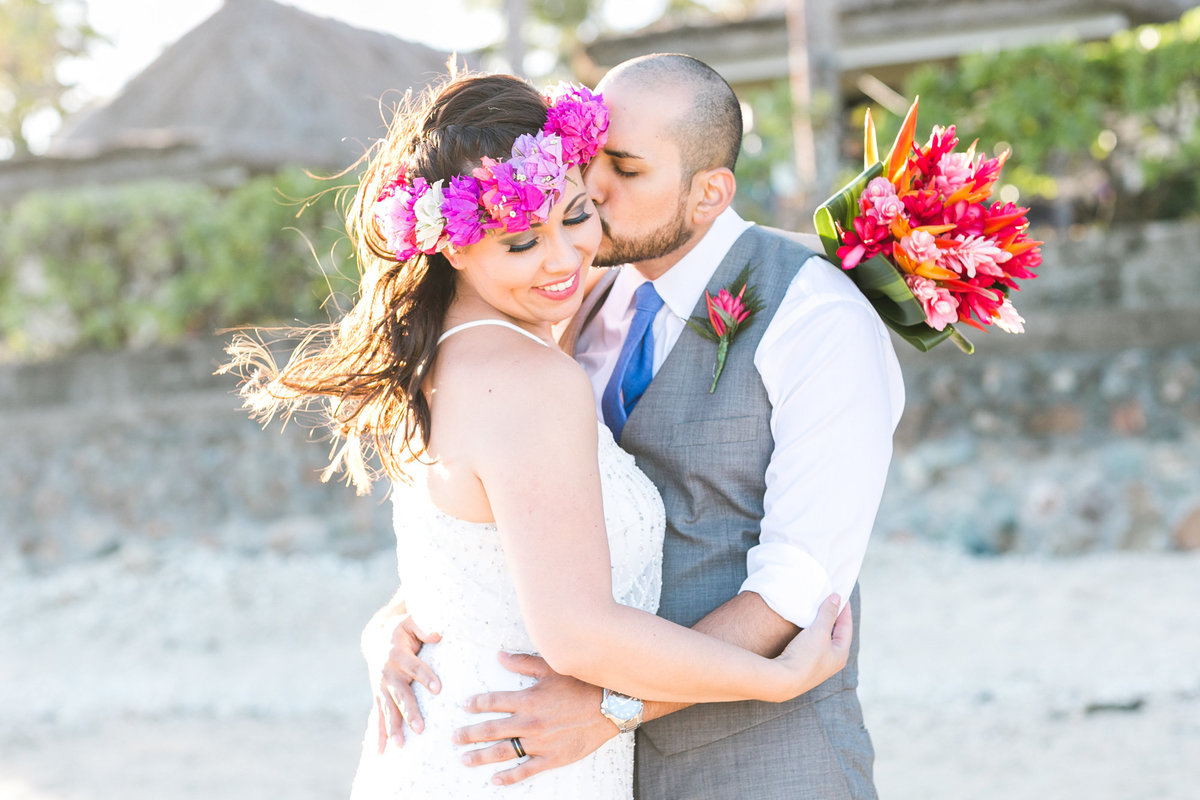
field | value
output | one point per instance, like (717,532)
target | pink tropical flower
(920,246)
(938,304)
(880,200)
(953,172)
(868,239)
(967,218)
(974,255)
(726,312)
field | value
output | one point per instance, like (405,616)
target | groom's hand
(558,721)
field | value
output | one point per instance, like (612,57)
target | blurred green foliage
(1105,131)
(766,171)
(1099,132)
(151,263)
(38,37)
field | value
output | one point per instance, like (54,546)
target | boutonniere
(726,313)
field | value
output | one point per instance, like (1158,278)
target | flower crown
(415,216)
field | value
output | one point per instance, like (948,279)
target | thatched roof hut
(256,86)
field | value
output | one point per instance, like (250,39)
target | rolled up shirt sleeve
(836,393)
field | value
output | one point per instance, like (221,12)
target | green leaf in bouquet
(883,284)
(841,209)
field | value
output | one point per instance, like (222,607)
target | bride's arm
(536,459)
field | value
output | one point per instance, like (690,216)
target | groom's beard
(615,250)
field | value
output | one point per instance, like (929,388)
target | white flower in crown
(430,222)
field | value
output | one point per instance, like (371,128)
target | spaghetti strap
(501,322)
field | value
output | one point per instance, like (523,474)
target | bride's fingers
(826,616)
(843,632)
(496,753)
(525,664)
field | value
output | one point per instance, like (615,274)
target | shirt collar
(682,284)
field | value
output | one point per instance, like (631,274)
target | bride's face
(535,275)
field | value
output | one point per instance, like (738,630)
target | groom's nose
(594,181)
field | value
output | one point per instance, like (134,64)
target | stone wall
(1082,434)
(117,450)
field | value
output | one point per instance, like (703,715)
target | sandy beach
(179,673)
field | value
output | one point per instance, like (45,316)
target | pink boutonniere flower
(726,314)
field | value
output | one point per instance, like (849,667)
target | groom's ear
(713,190)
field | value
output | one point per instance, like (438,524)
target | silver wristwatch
(622,710)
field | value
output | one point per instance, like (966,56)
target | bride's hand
(390,644)
(819,651)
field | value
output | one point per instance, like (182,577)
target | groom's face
(637,181)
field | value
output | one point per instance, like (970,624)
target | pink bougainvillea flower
(507,196)
(464,225)
(580,117)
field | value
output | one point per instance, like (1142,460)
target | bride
(520,524)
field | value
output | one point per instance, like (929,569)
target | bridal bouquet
(918,237)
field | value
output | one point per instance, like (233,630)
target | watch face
(624,711)
(623,707)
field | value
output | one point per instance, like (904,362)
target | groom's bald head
(708,127)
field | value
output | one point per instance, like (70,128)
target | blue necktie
(635,364)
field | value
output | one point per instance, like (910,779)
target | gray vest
(708,455)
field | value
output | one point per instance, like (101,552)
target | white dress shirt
(836,394)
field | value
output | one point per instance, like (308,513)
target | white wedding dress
(456,582)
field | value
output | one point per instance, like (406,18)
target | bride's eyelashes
(521,247)
(583,216)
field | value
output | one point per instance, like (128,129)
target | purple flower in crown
(580,117)
(539,158)
(507,195)
(460,205)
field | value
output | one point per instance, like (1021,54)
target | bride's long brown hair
(368,367)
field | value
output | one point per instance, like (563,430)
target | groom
(771,482)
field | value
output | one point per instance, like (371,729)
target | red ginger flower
(726,312)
